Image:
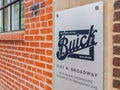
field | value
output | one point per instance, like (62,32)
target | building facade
(26,43)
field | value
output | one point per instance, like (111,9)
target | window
(11,15)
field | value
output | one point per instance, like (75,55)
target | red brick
(49,16)
(21,70)
(37,1)
(27,32)
(48,81)
(116,39)
(28,15)
(49,74)
(50,23)
(39,64)
(25,55)
(17,53)
(116,28)
(40,51)
(49,52)
(42,11)
(39,71)
(27,21)
(29,3)
(34,44)
(49,37)
(21,48)
(42,85)
(116,72)
(27,26)
(49,2)
(34,32)
(116,61)
(42,18)
(43,4)
(29,61)
(46,59)
(34,69)
(36,82)
(49,9)
(44,24)
(39,77)
(38,25)
(34,56)
(29,50)
(25,77)
(116,50)
(46,31)
(21,59)
(46,45)
(117,16)
(30,85)
(26,43)
(24,88)
(28,37)
(37,88)
(27,10)
(49,67)
(39,37)
(35,19)
(116,84)
(117,4)
(33,26)
(48,88)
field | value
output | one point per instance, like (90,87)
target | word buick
(81,39)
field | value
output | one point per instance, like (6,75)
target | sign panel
(78,50)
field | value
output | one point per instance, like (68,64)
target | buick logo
(70,42)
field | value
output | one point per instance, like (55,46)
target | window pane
(1,16)
(15,13)
(6,2)
(1,21)
(7,19)
(22,14)
(6,16)
(1,3)
(15,16)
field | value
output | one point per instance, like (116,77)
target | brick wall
(26,57)
(116,46)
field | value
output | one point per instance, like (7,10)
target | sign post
(78,46)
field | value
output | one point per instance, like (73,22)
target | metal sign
(78,53)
